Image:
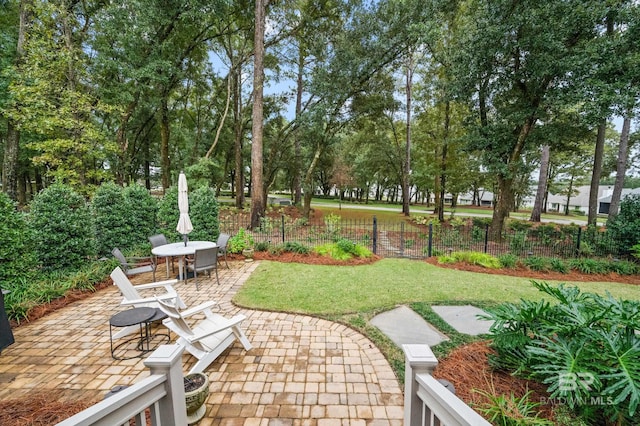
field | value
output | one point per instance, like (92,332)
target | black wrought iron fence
(411,240)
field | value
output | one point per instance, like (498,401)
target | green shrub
(110,215)
(337,250)
(623,267)
(242,240)
(294,247)
(168,214)
(142,212)
(536,263)
(508,260)
(625,227)
(519,225)
(63,228)
(588,266)
(518,243)
(17,257)
(472,257)
(481,222)
(558,265)
(203,212)
(262,246)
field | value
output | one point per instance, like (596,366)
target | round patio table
(180,250)
(140,316)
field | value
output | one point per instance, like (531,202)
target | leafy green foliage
(203,212)
(168,214)
(536,263)
(583,346)
(242,240)
(63,228)
(473,258)
(625,227)
(294,247)
(342,249)
(17,257)
(508,260)
(510,410)
(142,210)
(110,213)
(124,218)
(27,293)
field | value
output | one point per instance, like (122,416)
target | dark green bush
(63,227)
(17,257)
(536,263)
(110,214)
(142,210)
(168,214)
(625,227)
(294,247)
(558,265)
(508,260)
(203,212)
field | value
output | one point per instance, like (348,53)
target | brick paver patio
(301,371)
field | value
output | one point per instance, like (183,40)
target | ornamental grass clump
(473,258)
(343,249)
(583,346)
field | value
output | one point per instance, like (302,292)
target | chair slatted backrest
(222,241)
(118,255)
(127,289)
(158,240)
(206,258)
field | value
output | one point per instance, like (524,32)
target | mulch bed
(39,408)
(468,370)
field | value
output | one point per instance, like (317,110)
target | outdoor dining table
(180,250)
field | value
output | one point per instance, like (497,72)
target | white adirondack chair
(131,296)
(209,337)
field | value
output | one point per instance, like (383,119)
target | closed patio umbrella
(184,223)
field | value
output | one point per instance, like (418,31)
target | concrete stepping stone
(464,319)
(403,326)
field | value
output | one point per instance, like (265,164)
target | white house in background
(487,198)
(580,202)
(605,202)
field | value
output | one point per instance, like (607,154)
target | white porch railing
(162,393)
(426,401)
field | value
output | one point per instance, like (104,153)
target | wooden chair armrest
(168,284)
(223,325)
(164,297)
(201,307)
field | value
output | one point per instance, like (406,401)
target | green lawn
(340,290)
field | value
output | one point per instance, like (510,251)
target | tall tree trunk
(257,197)
(406,175)
(238,137)
(222,119)
(164,143)
(542,184)
(297,171)
(569,193)
(308,183)
(621,168)
(12,141)
(592,217)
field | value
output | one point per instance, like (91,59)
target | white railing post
(419,359)
(167,360)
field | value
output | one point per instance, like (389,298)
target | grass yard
(340,290)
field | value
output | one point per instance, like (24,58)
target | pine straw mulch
(39,409)
(467,368)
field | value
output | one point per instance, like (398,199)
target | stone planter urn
(196,390)
(248,254)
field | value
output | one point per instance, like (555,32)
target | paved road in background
(418,210)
